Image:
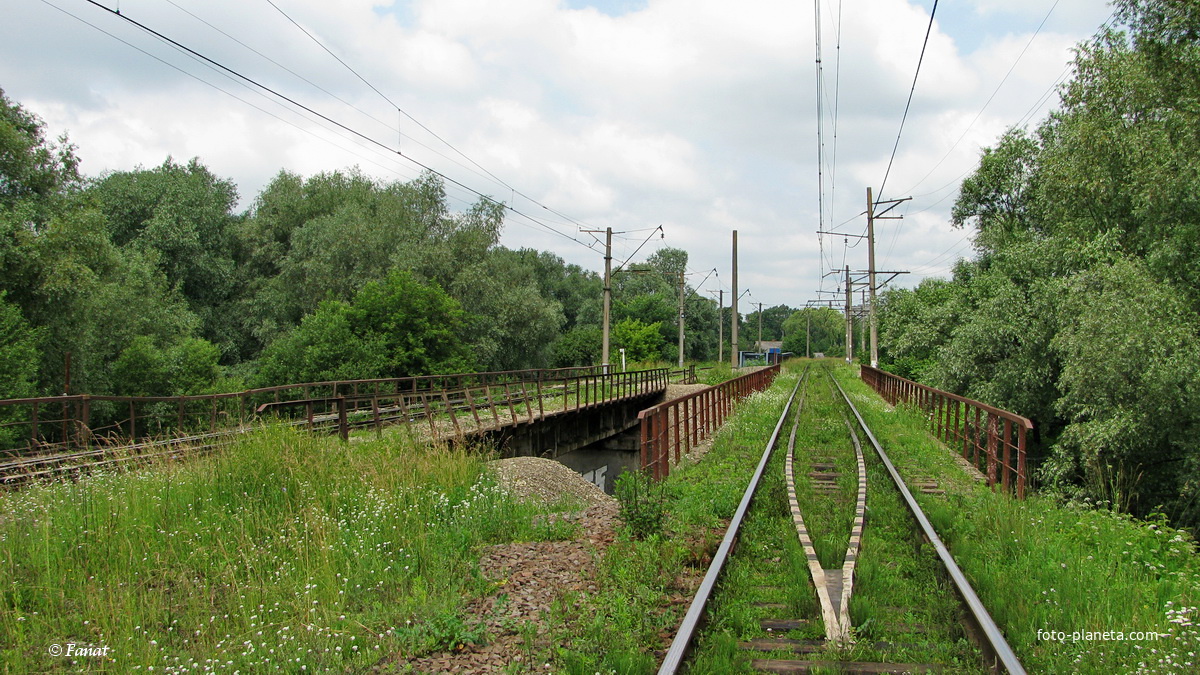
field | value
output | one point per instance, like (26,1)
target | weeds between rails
(903,615)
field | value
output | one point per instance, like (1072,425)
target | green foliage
(18,352)
(513,325)
(1129,394)
(179,217)
(416,326)
(1083,305)
(394,328)
(326,237)
(186,368)
(136,276)
(773,319)
(668,262)
(643,507)
(580,346)
(828,331)
(18,363)
(641,342)
(33,172)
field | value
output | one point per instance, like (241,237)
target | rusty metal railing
(671,429)
(35,433)
(984,435)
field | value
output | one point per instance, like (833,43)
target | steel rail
(691,620)
(991,632)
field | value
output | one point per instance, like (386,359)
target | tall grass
(1075,586)
(286,552)
(644,585)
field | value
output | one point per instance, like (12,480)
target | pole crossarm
(844,234)
(894,203)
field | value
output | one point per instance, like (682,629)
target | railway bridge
(585,418)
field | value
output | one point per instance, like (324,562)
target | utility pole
(681,285)
(733,356)
(607,313)
(871,278)
(720,325)
(808,334)
(872,286)
(607,294)
(849,321)
(862,339)
(759,326)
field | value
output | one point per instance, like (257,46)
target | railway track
(836,569)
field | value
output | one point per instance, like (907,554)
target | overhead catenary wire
(1028,115)
(218,88)
(418,122)
(481,172)
(354,132)
(635,251)
(908,104)
(990,98)
(357,140)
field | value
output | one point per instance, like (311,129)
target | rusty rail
(673,428)
(42,431)
(982,434)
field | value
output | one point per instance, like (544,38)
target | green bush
(643,507)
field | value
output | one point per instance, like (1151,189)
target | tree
(828,328)
(180,217)
(641,341)
(997,198)
(1129,349)
(773,319)
(18,352)
(324,347)
(396,327)
(18,365)
(668,262)
(579,346)
(34,173)
(417,327)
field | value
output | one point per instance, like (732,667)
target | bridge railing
(993,440)
(83,425)
(671,429)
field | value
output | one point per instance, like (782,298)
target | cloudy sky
(696,115)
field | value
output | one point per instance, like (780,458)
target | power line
(354,132)
(1024,118)
(366,114)
(837,89)
(904,117)
(219,89)
(418,122)
(635,251)
(820,121)
(990,98)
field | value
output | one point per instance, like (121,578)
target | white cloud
(695,114)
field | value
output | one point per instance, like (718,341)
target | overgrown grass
(900,597)
(285,552)
(1043,565)
(822,437)
(714,372)
(645,585)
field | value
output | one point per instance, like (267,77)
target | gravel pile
(675,391)
(546,481)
